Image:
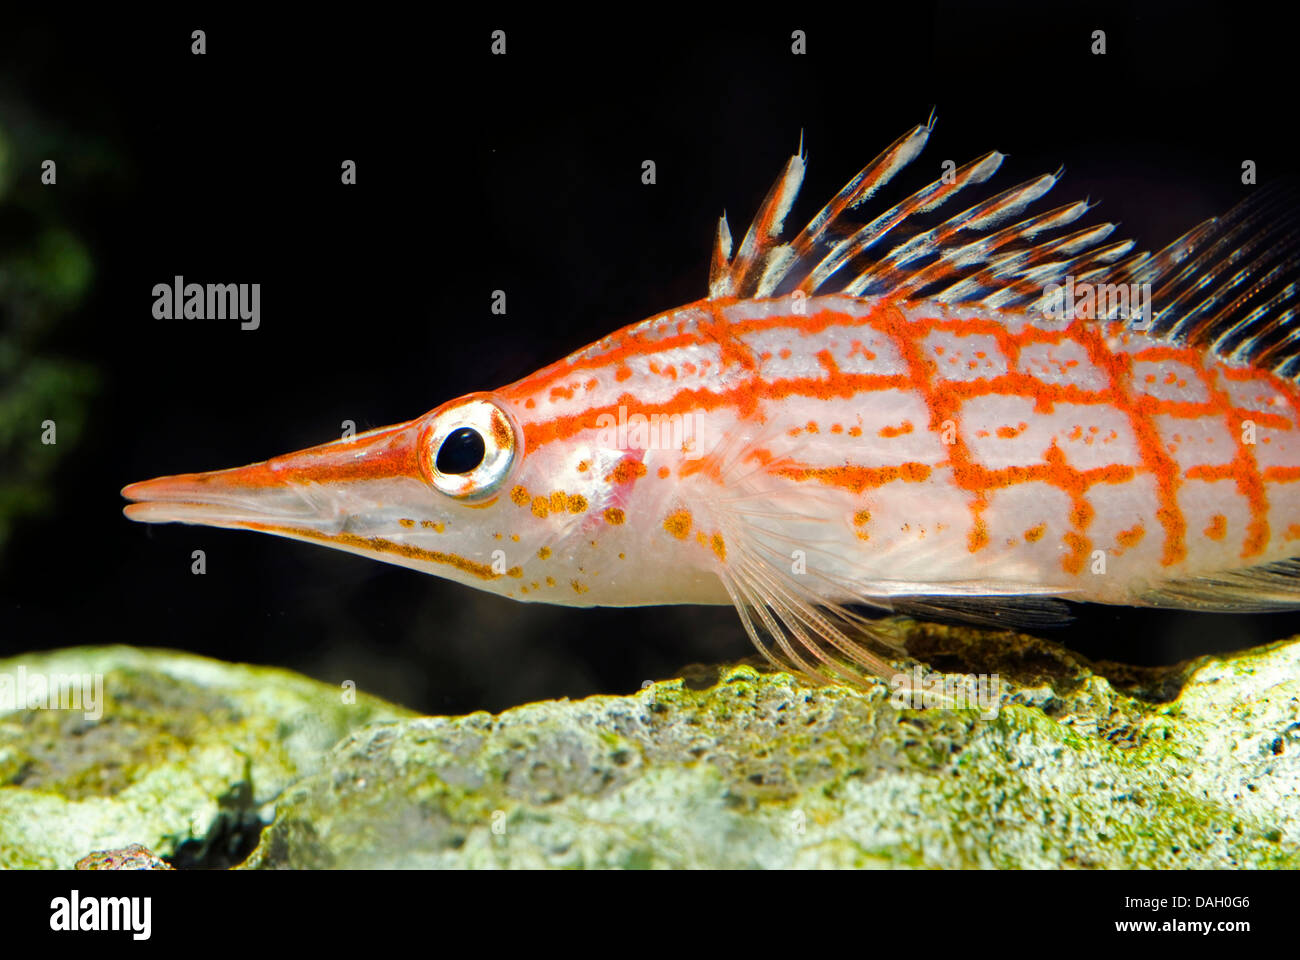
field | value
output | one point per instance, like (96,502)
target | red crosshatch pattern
(1053,442)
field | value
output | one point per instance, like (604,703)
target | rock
(133,857)
(187,757)
(1080,764)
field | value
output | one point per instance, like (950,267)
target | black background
(522,173)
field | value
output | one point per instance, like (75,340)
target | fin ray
(1259,589)
(1228,284)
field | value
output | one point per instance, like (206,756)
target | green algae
(186,748)
(759,770)
(1086,765)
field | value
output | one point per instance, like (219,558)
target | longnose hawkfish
(903,412)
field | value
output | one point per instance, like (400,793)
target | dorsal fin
(971,242)
(1237,294)
(1230,285)
(729,277)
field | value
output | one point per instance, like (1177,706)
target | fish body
(943,447)
(934,432)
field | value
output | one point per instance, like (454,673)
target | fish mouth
(317,489)
(220,501)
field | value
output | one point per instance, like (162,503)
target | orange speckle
(719,546)
(406,523)
(559,501)
(577,503)
(1079,548)
(520,496)
(626,470)
(622,373)
(541,507)
(855,431)
(561,393)
(1293,532)
(591,384)
(614,515)
(836,428)
(515,572)
(861,518)
(584,466)
(785,353)
(1006,433)
(1034,534)
(898,431)
(1218,528)
(529,403)
(433,525)
(663,473)
(550,581)
(543,553)
(514,537)
(678,523)
(578,588)
(1131,537)
(812,426)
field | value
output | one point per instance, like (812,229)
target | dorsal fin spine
(1216,286)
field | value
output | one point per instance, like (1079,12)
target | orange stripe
(1243,469)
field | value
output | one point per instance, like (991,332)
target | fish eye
(469,448)
(461,452)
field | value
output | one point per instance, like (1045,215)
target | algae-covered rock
(179,753)
(1080,764)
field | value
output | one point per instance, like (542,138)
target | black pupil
(461,452)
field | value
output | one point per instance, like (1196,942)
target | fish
(977,415)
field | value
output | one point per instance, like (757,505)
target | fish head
(456,493)
(424,494)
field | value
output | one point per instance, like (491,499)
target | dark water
(518,173)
